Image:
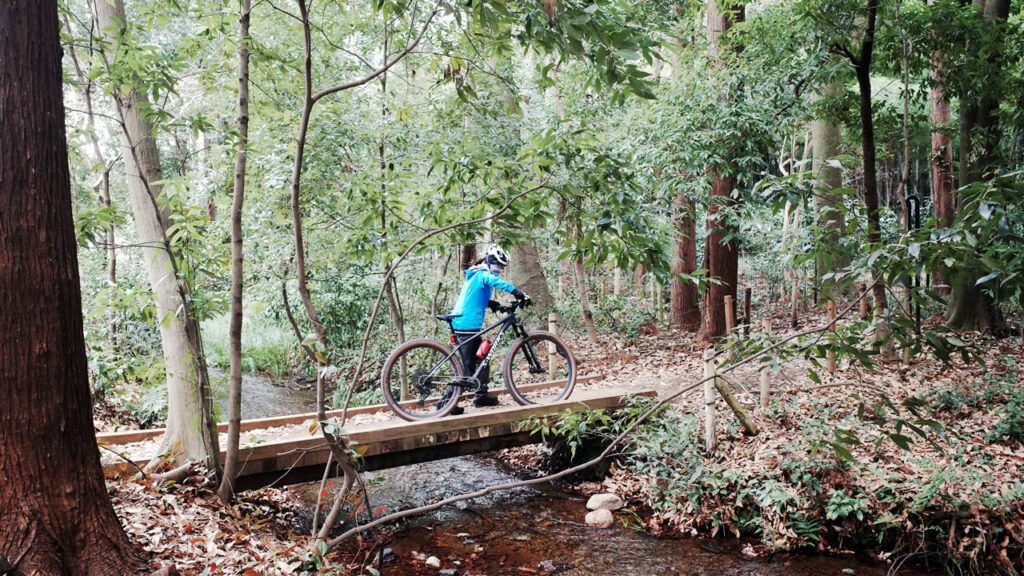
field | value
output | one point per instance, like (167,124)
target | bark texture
(684,306)
(526,274)
(191,431)
(825,142)
(55,516)
(721,258)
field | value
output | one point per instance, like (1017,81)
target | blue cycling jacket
(476,293)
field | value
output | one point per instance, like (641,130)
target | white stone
(600,518)
(609,502)
(434,562)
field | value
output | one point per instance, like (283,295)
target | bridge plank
(132,436)
(396,443)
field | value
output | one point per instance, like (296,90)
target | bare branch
(387,66)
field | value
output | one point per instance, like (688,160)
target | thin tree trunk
(862,65)
(684,305)
(191,430)
(55,515)
(227,486)
(300,148)
(102,187)
(581,291)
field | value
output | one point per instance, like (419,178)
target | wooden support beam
(395,443)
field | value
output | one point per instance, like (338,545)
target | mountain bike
(423,378)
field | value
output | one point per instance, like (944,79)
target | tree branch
(387,65)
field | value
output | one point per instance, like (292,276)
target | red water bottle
(485,347)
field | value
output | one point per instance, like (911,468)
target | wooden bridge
(288,449)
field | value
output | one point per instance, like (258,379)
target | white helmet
(496,255)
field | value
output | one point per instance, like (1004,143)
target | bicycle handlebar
(510,307)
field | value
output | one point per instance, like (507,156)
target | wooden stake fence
(766,327)
(709,400)
(711,384)
(730,325)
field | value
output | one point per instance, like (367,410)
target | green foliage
(151,408)
(268,347)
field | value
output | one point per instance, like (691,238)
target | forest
(786,235)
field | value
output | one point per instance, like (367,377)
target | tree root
(176,475)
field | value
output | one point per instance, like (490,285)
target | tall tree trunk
(684,307)
(525,272)
(970,306)
(721,258)
(828,205)
(55,515)
(227,489)
(191,430)
(721,252)
(941,157)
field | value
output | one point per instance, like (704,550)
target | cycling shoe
(485,401)
(457,411)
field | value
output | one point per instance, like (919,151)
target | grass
(267,346)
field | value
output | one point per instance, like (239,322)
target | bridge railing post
(552,355)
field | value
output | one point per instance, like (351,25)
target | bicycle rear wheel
(540,369)
(418,380)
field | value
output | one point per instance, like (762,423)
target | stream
(531,530)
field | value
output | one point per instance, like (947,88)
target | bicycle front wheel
(418,380)
(540,369)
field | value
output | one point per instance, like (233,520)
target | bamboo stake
(730,324)
(658,301)
(709,400)
(766,327)
(746,312)
(865,311)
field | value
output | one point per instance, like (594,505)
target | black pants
(470,362)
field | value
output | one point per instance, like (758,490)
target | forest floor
(952,494)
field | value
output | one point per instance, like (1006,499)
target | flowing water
(529,530)
(262,397)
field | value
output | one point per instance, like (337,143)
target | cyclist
(481,279)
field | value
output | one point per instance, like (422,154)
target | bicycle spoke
(417,379)
(540,369)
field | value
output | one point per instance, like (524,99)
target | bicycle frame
(509,321)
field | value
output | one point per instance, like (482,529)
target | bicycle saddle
(447,317)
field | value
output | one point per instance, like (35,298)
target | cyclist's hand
(494,306)
(526,301)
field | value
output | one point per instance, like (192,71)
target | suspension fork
(536,367)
